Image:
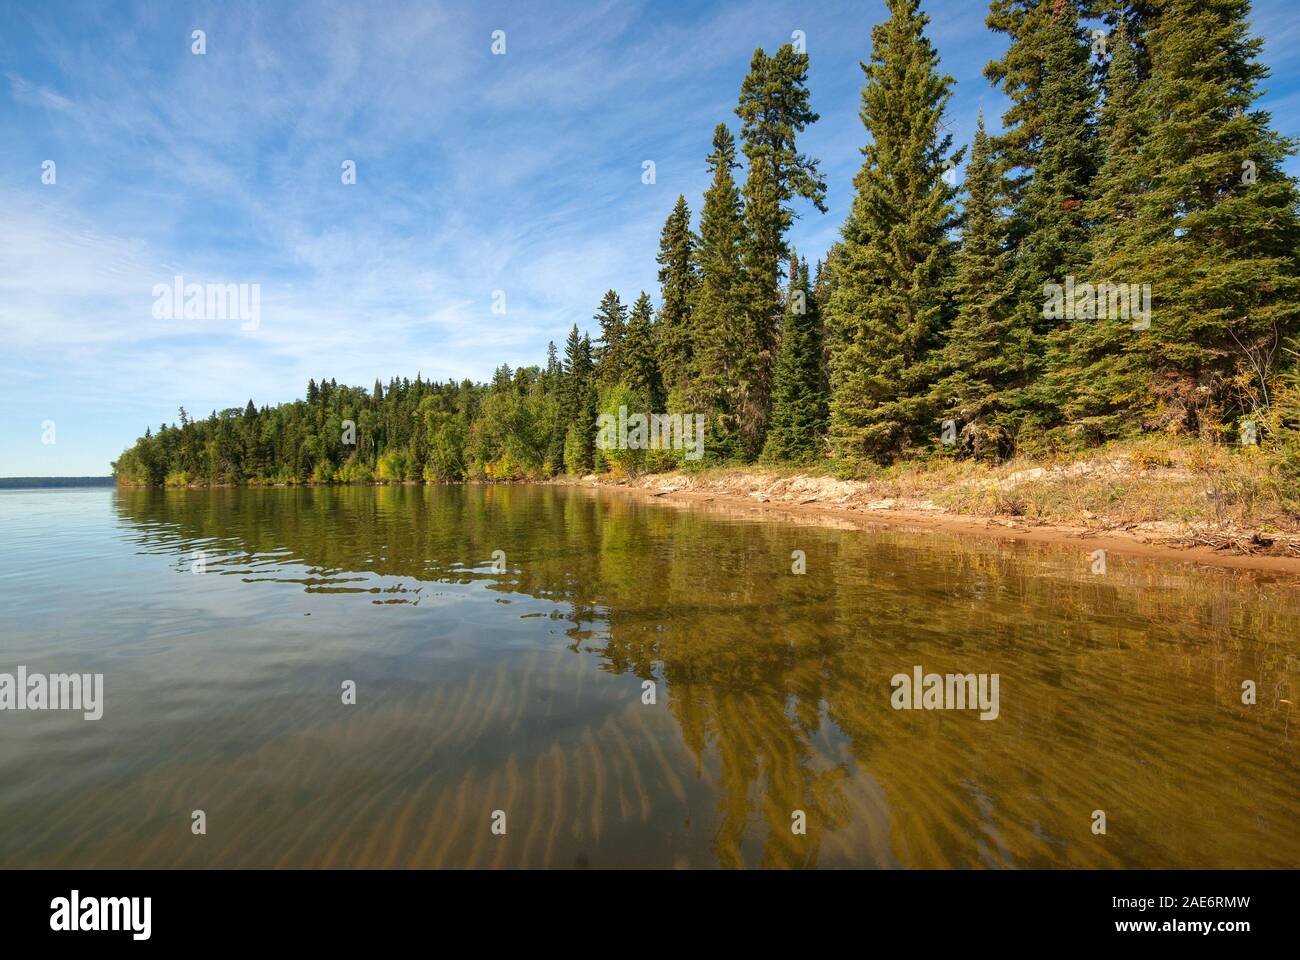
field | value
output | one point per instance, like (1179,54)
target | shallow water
(521,691)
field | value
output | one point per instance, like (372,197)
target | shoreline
(768,504)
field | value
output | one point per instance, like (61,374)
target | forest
(1119,261)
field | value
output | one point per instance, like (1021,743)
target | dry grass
(1181,491)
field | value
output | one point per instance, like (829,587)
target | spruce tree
(1022,73)
(640,365)
(552,363)
(1051,215)
(612,317)
(799,400)
(1097,371)
(1217,222)
(573,385)
(760,290)
(677,278)
(978,360)
(889,302)
(552,383)
(250,441)
(716,305)
(585,425)
(578,404)
(773,110)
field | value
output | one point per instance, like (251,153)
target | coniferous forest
(1120,260)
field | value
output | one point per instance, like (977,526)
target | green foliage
(579,458)
(510,438)
(392,467)
(611,316)
(354,470)
(980,363)
(578,405)
(1216,221)
(799,396)
(1096,372)
(716,306)
(347,435)
(889,302)
(610,453)
(674,330)
(1284,430)
(619,401)
(446,461)
(774,109)
(641,365)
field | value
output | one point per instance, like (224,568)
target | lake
(555,677)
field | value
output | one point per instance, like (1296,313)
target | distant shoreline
(35,483)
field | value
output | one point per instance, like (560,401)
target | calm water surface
(521,690)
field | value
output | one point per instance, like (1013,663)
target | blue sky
(475,173)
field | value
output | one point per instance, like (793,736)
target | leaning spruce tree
(889,302)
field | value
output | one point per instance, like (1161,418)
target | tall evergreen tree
(552,362)
(552,384)
(1217,221)
(1022,73)
(1048,153)
(773,110)
(717,303)
(978,361)
(578,404)
(889,302)
(760,290)
(678,279)
(573,383)
(640,364)
(585,425)
(250,441)
(1097,370)
(799,400)
(611,315)
(1052,214)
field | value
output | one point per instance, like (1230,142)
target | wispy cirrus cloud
(36,95)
